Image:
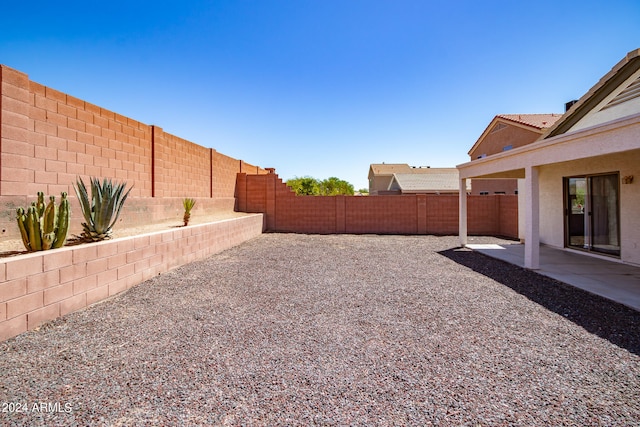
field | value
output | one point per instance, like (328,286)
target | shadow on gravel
(607,319)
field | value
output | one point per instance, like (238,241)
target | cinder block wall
(49,138)
(41,286)
(180,167)
(403,214)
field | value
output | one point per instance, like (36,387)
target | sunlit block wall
(41,286)
(49,138)
(402,214)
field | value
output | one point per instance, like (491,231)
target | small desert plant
(44,227)
(188,205)
(102,209)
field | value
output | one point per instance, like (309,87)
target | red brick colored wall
(442,215)
(252,169)
(381,214)
(49,138)
(482,214)
(225,169)
(403,214)
(508,211)
(181,168)
(306,215)
(41,286)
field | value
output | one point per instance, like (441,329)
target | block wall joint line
(343,202)
(211,150)
(153,161)
(1,111)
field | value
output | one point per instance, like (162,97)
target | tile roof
(426,170)
(539,121)
(389,168)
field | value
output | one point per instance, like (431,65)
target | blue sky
(322,88)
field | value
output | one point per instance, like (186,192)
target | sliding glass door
(575,228)
(592,213)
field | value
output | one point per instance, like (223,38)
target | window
(507,147)
(592,213)
(484,193)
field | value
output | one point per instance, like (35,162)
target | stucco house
(581,178)
(426,181)
(504,133)
(381,175)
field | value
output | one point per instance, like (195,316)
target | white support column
(462,213)
(532,221)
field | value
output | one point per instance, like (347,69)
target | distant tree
(308,186)
(363,191)
(305,186)
(335,186)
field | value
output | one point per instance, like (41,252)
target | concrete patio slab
(607,278)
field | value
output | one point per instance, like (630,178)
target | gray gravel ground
(333,330)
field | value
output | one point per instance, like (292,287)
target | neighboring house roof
(534,122)
(538,121)
(432,180)
(388,169)
(606,100)
(381,169)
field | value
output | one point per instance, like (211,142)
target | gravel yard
(337,330)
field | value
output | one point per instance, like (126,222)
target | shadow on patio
(622,324)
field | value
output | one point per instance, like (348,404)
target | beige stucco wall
(379,183)
(493,186)
(522,209)
(551,199)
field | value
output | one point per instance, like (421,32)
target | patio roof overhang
(613,137)
(617,136)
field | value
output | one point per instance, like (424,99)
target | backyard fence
(398,214)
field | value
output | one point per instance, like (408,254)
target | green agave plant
(102,209)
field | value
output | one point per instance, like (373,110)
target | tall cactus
(43,226)
(64,220)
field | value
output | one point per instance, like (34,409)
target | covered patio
(541,168)
(577,180)
(578,204)
(612,280)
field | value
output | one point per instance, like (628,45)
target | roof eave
(618,74)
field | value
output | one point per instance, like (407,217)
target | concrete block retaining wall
(39,287)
